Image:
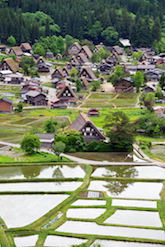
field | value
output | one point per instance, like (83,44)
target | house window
(87,129)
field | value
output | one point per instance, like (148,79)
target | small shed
(47,140)
(6,105)
(93,112)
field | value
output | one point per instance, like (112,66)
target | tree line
(96,20)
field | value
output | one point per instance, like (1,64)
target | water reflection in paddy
(57,241)
(131,171)
(105,156)
(53,186)
(135,218)
(111,243)
(128,190)
(20,210)
(93,228)
(41,172)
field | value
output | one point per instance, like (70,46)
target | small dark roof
(34,93)
(130,79)
(6,100)
(45,136)
(93,110)
(26,46)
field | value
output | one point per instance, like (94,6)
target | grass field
(104,100)
(14,126)
(132,113)
(158,151)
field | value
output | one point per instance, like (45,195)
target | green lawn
(37,157)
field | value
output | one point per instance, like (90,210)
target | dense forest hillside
(142,21)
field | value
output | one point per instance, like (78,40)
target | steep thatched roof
(12,64)
(17,50)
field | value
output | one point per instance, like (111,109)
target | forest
(141,21)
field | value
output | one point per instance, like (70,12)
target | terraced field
(105,100)
(71,205)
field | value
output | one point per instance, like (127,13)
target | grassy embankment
(38,157)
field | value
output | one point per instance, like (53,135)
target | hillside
(99,21)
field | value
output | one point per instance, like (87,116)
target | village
(84,81)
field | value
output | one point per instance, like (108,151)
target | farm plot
(103,100)
(73,213)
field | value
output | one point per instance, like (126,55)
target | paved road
(92,162)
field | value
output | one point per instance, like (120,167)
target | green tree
(110,36)
(27,63)
(95,85)
(50,126)
(148,100)
(74,72)
(39,49)
(137,55)
(19,107)
(152,124)
(30,143)
(156,35)
(58,148)
(69,40)
(95,31)
(102,53)
(159,93)
(73,140)
(162,80)
(78,85)
(120,131)
(47,28)
(117,75)
(160,45)
(11,40)
(138,80)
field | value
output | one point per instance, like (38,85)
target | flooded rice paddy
(130,221)
(93,228)
(135,218)
(143,190)
(134,203)
(85,213)
(111,243)
(26,241)
(58,241)
(21,210)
